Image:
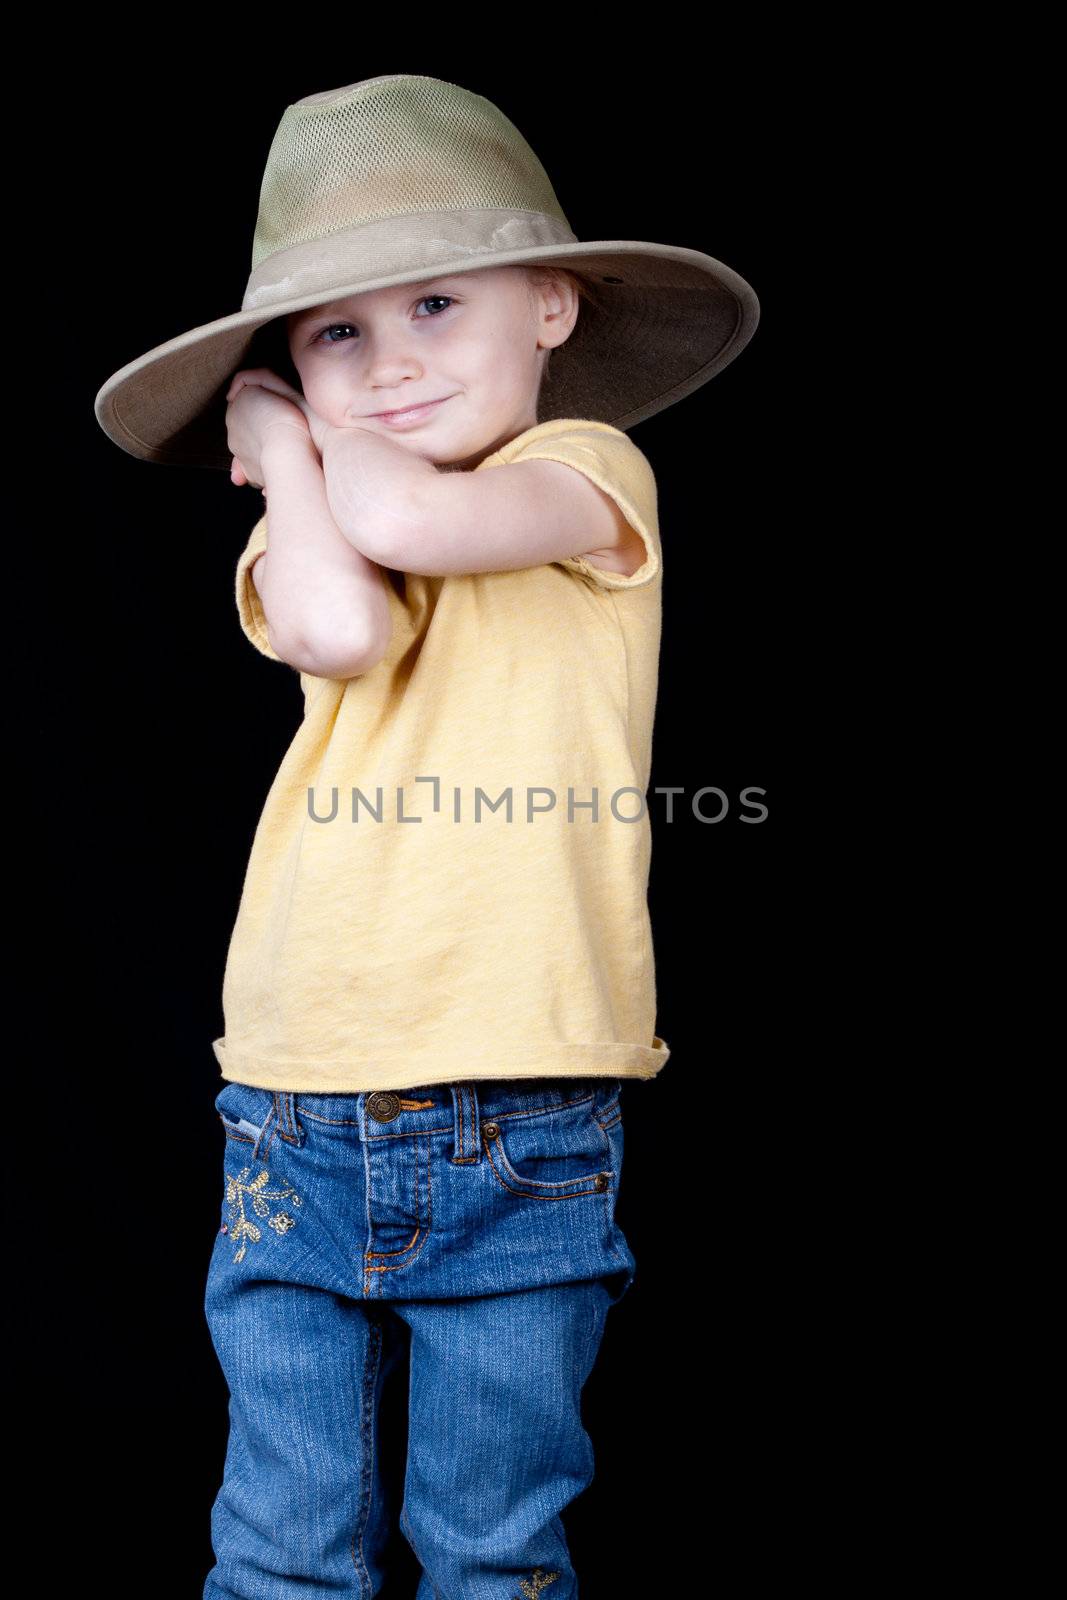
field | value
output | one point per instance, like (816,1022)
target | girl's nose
(388,356)
(391,367)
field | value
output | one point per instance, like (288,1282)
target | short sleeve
(614,463)
(249,606)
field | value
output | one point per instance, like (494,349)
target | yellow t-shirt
(438,945)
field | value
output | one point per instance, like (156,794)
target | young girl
(441,972)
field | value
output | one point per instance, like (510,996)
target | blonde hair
(540,270)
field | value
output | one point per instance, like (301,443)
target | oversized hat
(403,177)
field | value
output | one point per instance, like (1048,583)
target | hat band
(415,244)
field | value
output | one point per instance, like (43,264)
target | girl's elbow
(347,656)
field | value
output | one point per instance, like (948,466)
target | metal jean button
(383,1106)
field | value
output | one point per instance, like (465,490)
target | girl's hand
(249,424)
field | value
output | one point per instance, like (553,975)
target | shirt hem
(402,1070)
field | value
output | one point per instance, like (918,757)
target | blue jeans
(482,1216)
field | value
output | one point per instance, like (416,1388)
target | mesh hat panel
(399,144)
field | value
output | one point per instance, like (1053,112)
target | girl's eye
(444,300)
(332,328)
(429,297)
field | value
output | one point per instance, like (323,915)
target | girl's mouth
(411,415)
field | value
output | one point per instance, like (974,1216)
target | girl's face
(472,344)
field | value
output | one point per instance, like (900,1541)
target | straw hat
(403,177)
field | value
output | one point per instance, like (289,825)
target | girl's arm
(324,601)
(375,489)
(574,496)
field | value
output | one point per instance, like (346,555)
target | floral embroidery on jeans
(242,1227)
(538,1580)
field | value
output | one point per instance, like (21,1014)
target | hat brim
(664,320)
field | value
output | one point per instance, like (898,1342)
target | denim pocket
(243,1110)
(554,1152)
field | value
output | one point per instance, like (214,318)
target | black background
(704,1406)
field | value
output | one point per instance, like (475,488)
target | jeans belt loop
(466,1136)
(289,1127)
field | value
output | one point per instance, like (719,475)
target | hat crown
(387,147)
